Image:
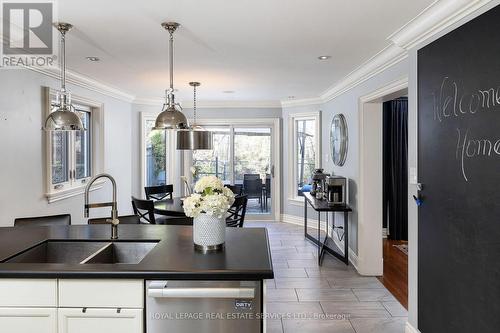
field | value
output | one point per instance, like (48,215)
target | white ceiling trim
(432,20)
(213,104)
(85,82)
(386,58)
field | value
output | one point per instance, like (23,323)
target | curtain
(395,160)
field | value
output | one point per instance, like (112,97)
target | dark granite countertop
(246,255)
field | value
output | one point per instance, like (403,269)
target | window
(305,136)
(71,155)
(245,154)
(157,153)
(215,162)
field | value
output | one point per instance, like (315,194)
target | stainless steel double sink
(85,252)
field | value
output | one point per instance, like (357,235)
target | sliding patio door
(244,154)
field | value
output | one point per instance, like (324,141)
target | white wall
(22,179)
(348,104)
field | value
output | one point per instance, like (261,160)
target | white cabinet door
(98,320)
(28,320)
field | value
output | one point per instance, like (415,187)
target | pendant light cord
(171,53)
(63,61)
(194,105)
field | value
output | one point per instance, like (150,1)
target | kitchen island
(75,278)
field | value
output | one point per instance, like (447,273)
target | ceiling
(262,50)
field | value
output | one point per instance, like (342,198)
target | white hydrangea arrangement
(209,197)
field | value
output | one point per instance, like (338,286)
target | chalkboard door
(459,167)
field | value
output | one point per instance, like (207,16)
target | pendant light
(62,116)
(171,116)
(195,137)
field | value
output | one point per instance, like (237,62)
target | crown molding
(212,104)
(301,102)
(432,20)
(388,57)
(85,82)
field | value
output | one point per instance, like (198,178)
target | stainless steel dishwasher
(203,306)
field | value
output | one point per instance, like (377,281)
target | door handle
(201,292)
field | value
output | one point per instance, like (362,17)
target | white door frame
(274,123)
(370,251)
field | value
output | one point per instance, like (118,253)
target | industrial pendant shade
(195,137)
(171,116)
(62,116)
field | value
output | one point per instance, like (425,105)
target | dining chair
(42,221)
(236,189)
(251,176)
(267,194)
(253,189)
(126,219)
(236,216)
(145,210)
(159,192)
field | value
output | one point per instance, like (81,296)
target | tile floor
(333,298)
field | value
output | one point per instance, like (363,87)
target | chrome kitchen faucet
(114,212)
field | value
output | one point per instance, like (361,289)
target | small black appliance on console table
(327,244)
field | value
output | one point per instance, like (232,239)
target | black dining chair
(145,210)
(43,221)
(253,189)
(159,192)
(251,176)
(126,219)
(236,214)
(267,191)
(236,189)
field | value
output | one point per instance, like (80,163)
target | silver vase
(209,232)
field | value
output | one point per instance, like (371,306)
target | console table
(327,244)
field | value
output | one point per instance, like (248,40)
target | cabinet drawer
(101,293)
(28,320)
(98,320)
(28,293)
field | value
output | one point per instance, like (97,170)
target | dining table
(169,207)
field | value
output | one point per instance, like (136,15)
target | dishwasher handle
(167,292)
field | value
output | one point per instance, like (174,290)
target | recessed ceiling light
(228,91)
(93,59)
(291,97)
(324,57)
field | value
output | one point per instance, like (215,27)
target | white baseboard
(410,329)
(292,219)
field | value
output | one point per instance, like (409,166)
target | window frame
(170,146)
(73,187)
(293,197)
(275,125)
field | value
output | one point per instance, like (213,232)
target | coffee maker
(336,190)
(318,182)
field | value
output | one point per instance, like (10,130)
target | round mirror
(338,139)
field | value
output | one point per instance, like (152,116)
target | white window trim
(97,149)
(276,160)
(293,198)
(170,161)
